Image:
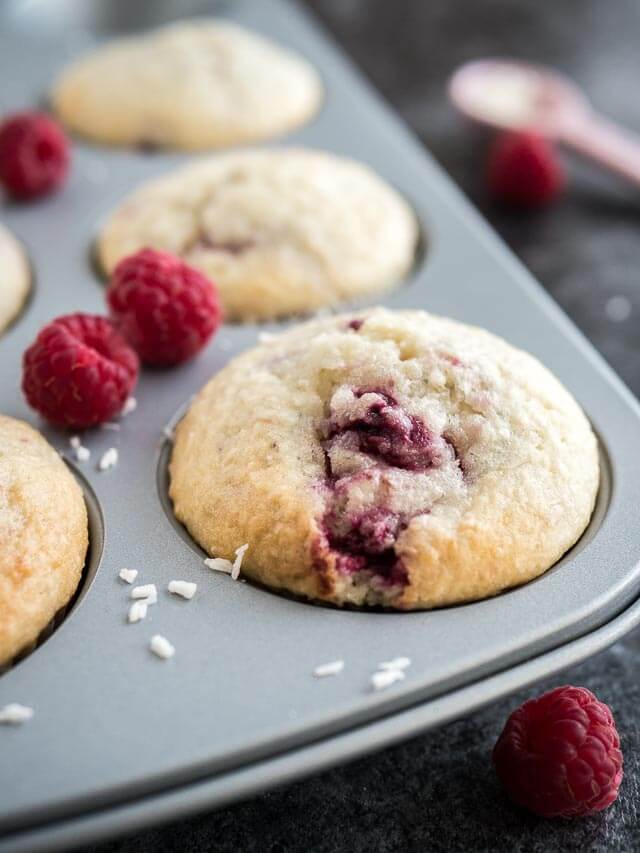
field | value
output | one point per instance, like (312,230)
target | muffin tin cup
(46,632)
(120,738)
(90,568)
(598,516)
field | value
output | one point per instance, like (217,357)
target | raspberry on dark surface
(79,371)
(166,309)
(559,755)
(524,170)
(34,155)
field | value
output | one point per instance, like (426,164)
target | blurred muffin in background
(191,85)
(281,232)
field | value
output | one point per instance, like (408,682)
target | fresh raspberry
(79,371)
(166,309)
(34,155)
(559,755)
(524,170)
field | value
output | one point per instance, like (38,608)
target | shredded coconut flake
(265,337)
(325,669)
(15,714)
(184,588)
(130,406)
(112,425)
(160,646)
(396,663)
(83,454)
(147,591)
(237,563)
(138,610)
(109,459)
(128,575)
(219,564)
(385,678)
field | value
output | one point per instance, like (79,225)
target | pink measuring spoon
(512,95)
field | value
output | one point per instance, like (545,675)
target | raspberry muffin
(191,85)
(386,458)
(43,535)
(281,232)
(15,278)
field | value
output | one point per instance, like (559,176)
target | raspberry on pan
(166,309)
(79,371)
(34,155)
(559,755)
(524,170)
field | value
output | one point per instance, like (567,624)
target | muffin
(386,458)
(43,536)
(281,232)
(15,278)
(191,85)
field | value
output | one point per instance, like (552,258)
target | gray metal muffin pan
(121,738)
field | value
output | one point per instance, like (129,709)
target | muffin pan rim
(183,801)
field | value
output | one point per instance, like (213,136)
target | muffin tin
(120,738)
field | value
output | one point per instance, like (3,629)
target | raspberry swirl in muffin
(382,467)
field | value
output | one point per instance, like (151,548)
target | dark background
(438,792)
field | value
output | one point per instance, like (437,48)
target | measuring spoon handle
(606,142)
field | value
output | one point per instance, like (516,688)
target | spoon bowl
(511,95)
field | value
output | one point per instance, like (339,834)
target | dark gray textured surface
(437,792)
